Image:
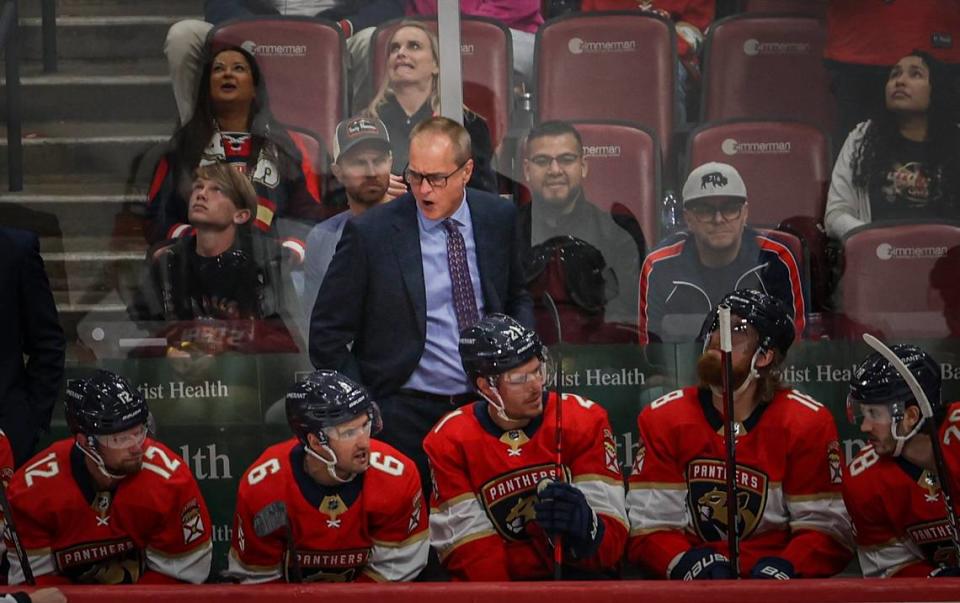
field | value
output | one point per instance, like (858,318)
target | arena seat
(767,67)
(886,283)
(813,8)
(786,167)
(486,52)
(608,65)
(304,63)
(800,254)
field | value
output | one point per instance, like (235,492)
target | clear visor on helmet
(876,411)
(739,333)
(125,439)
(540,373)
(371,425)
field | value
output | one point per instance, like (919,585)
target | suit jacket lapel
(406,244)
(487,253)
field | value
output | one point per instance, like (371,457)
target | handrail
(9,42)
(48,12)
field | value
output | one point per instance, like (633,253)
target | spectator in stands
(410,94)
(233,123)
(691,18)
(361,162)
(357,19)
(864,43)
(691,271)
(33,350)
(905,162)
(554,169)
(521,16)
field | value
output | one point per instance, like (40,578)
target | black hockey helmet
(573,266)
(763,312)
(104,404)
(497,344)
(876,381)
(327,399)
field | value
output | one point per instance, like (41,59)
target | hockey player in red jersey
(487,458)
(791,518)
(892,490)
(347,506)
(110,505)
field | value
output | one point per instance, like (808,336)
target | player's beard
(127,467)
(710,370)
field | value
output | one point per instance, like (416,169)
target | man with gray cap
(361,162)
(689,272)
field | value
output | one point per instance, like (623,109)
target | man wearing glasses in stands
(689,272)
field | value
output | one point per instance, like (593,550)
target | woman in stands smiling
(410,93)
(232,123)
(904,163)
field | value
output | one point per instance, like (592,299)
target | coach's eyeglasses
(705,212)
(545,161)
(434,180)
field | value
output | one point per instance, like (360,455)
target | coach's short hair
(235,185)
(455,133)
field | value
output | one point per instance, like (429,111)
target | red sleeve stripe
(180,230)
(655,256)
(796,283)
(296,246)
(307,159)
(158,177)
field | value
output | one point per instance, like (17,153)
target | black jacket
(361,13)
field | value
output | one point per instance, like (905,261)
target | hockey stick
(730,437)
(930,427)
(268,520)
(558,461)
(15,538)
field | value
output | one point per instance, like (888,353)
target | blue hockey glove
(702,564)
(772,568)
(945,572)
(563,509)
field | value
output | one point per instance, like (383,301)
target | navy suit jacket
(29,326)
(374,296)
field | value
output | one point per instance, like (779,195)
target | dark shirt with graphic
(906,191)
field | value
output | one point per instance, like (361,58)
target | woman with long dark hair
(905,162)
(410,93)
(232,123)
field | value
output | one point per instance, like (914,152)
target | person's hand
(563,509)
(48,595)
(397,187)
(702,564)
(772,568)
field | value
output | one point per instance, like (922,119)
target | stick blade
(925,409)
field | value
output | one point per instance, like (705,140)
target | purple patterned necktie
(464,303)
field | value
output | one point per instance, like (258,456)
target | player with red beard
(791,518)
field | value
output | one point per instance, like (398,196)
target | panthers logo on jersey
(707,498)
(508,499)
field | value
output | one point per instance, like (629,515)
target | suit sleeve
(596,473)
(338,311)
(399,530)
(519,304)
(44,345)
(820,543)
(882,553)
(181,547)
(469,546)
(656,499)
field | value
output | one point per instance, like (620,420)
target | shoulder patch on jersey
(192,522)
(610,452)
(833,462)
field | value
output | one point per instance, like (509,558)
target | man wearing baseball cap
(361,162)
(689,272)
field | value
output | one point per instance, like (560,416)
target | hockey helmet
(876,381)
(497,344)
(327,399)
(763,312)
(104,404)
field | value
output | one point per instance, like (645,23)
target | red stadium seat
(814,8)
(486,53)
(608,65)
(886,282)
(304,63)
(786,167)
(767,67)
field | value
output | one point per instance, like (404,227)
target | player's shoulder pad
(163,464)
(451,419)
(387,464)
(43,473)
(579,405)
(269,468)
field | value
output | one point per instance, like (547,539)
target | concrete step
(96,8)
(110,156)
(86,272)
(101,37)
(98,67)
(96,97)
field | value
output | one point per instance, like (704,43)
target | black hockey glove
(564,510)
(702,564)
(772,568)
(945,572)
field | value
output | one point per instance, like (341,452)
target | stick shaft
(730,438)
(558,459)
(15,537)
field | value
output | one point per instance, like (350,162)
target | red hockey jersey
(373,528)
(789,474)
(152,528)
(6,474)
(897,510)
(485,485)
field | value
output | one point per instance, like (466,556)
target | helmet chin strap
(94,456)
(752,376)
(330,465)
(902,440)
(499,406)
